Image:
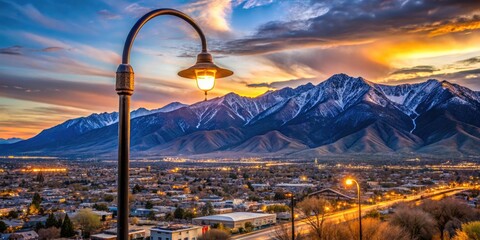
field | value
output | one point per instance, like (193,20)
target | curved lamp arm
(125,74)
(147,17)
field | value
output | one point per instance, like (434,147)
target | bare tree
(216,234)
(448,214)
(315,209)
(49,233)
(284,232)
(416,222)
(375,229)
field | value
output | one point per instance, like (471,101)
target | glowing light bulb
(205,79)
(349,182)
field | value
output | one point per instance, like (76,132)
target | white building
(176,232)
(111,234)
(238,220)
(28,235)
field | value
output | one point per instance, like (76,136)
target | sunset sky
(58,58)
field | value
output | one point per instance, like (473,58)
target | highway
(345,215)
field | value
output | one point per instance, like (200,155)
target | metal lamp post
(204,71)
(292,198)
(349,182)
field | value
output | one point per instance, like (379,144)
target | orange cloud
(455,27)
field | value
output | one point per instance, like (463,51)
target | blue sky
(58,58)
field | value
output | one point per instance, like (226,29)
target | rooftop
(174,227)
(235,216)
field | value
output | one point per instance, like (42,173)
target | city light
(44,170)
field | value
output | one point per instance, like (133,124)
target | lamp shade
(204,62)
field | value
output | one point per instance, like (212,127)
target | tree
(67,229)
(469,231)
(372,229)
(39,226)
(148,205)
(249,226)
(36,199)
(51,221)
(448,212)
(179,213)
(3,227)
(12,214)
(279,196)
(189,214)
(151,216)
(215,234)
(373,214)
(249,185)
(134,221)
(48,233)
(136,189)
(315,209)
(416,222)
(108,198)
(35,205)
(59,223)
(87,221)
(284,232)
(100,207)
(277,208)
(40,177)
(207,209)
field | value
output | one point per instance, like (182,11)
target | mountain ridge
(341,115)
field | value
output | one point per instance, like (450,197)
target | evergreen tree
(51,221)
(40,177)
(36,200)
(39,226)
(67,228)
(136,189)
(34,207)
(179,213)
(207,209)
(3,227)
(59,223)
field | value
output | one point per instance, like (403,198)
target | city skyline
(58,59)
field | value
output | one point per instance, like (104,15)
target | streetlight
(349,182)
(292,198)
(204,71)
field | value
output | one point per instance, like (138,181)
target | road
(346,215)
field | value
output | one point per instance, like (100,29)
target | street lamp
(204,71)
(349,182)
(292,198)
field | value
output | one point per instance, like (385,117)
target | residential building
(177,232)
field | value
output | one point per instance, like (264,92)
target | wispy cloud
(13,50)
(282,84)
(416,69)
(464,72)
(137,10)
(213,15)
(469,61)
(247,4)
(93,53)
(106,14)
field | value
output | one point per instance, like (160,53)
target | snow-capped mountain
(72,128)
(9,140)
(341,115)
